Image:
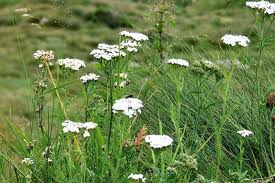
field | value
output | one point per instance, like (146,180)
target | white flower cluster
(71,63)
(134,35)
(137,177)
(107,52)
(264,6)
(41,84)
(158,141)
(129,106)
(180,62)
(44,55)
(27,161)
(234,40)
(245,133)
(89,77)
(125,81)
(76,127)
(130,45)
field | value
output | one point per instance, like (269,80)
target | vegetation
(213,106)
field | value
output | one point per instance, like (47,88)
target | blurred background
(72,28)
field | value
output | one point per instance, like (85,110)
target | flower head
(76,127)
(129,106)
(158,141)
(180,62)
(263,6)
(107,52)
(234,40)
(130,45)
(137,177)
(134,35)
(44,55)
(71,63)
(27,161)
(89,77)
(245,133)
(123,79)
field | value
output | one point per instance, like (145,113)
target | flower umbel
(107,52)
(129,106)
(89,78)
(263,6)
(134,35)
(71,63)
(137,177)
(245,133)
(158,141)
(76,127)
(179,62)
(234,40)
(44,55)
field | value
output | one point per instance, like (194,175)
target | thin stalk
(111,87)
(56,91)
(241,155)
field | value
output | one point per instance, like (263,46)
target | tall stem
(56,91)
(111,102)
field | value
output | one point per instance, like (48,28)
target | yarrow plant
(107,52)
(234,40)
(179,62)
(129,106)
(245,133)
(71,64)
(89,78)
(158,141)
(190,112)
(139,37)
(44,55)
(262,6)
(137,177)
(76,127)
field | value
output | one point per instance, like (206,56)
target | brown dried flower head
(271,100)
(140,136)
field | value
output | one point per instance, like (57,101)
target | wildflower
(129,106)
(130,45)
(44,55)
(158,141)
(140,136)
(134,35)
(27,161)
(72,64)
(70,126)
(245,133)
(40,84)
(262,6)
(76,127)
(107,52)
(89,77)
(125,81)
(180,62)
(234,40)
(137,177)
(271,100)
